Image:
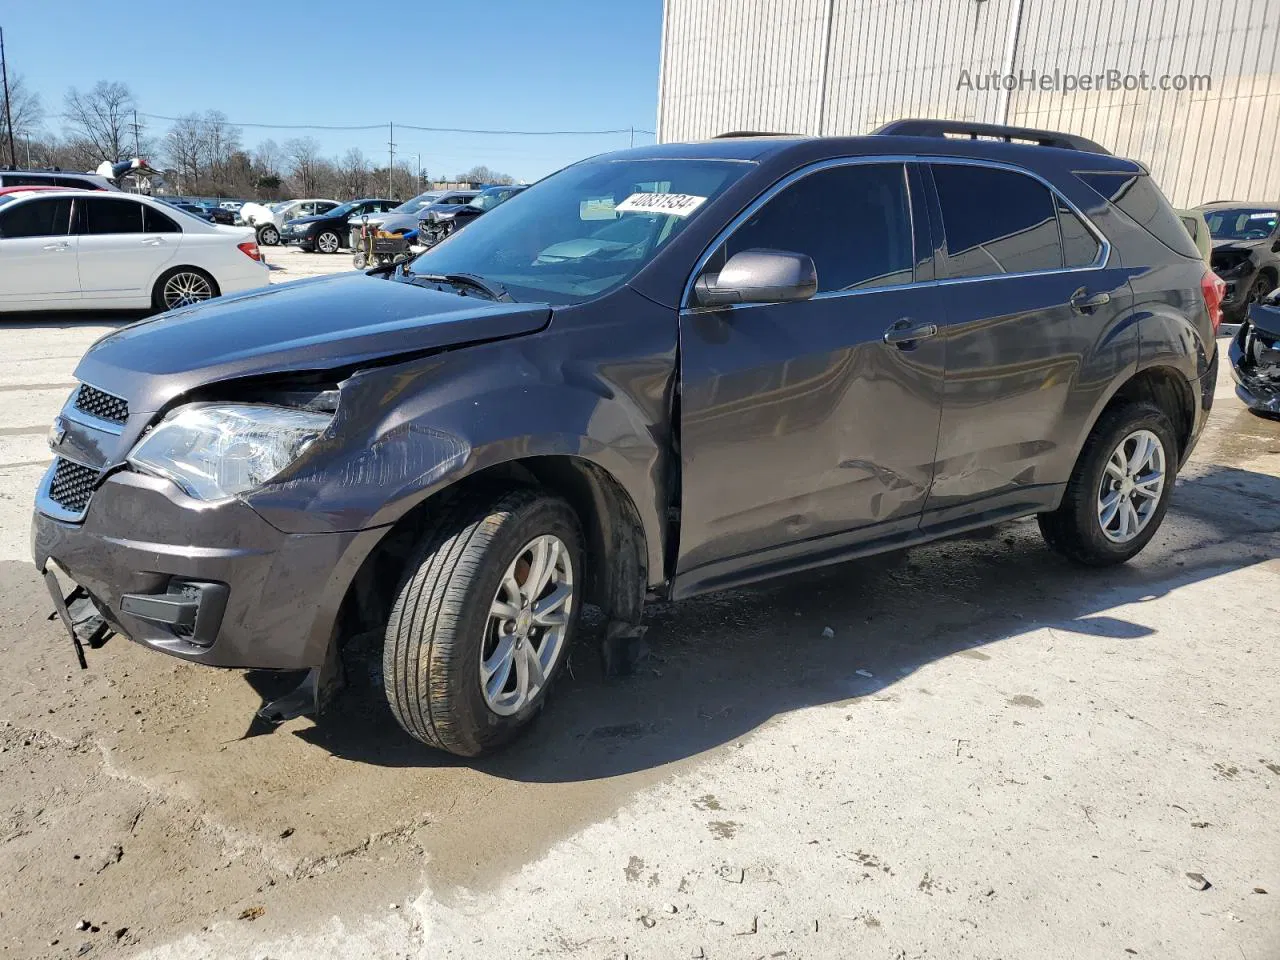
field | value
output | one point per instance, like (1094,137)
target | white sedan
(72,249)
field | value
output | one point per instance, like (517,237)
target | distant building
(845,67)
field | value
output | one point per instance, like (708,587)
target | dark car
(1246,251)
(10,177)
(326,232)
(205,212)
(664,371)
(436,224)
(1255,357)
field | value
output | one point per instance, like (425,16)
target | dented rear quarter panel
(595,384)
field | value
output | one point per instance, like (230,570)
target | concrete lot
(995,756)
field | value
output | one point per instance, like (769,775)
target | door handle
(1082,302)
(60,245)
(153,241)
(904,333)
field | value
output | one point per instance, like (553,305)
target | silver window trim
(1104,255)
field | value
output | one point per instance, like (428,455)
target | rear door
(38,252)
(803,432)
(124,245)
(1030,305)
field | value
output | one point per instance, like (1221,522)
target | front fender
(600,392)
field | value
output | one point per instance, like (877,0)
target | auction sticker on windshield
(676,204)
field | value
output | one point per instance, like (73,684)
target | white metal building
(847,66)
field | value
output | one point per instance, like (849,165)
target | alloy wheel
(1131,485)
(327,242)
(527,624)
(186,288)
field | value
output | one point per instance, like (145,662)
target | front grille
(72,485)
(101,404)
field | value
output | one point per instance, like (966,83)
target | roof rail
(995,131)
(752,133)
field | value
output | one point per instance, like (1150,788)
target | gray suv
(660,372)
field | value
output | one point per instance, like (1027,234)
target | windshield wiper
(490,288)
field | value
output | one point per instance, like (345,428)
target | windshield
(417,203)
(1244,224)
(491,198)
(344,209)
(582,231)
(277,207)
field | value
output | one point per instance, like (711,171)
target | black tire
(1074,529)
(1260,287)
(268,235)
(359,261)
(328,238)
(439,624)
(159,300)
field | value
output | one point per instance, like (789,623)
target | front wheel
(1119,491)
(359,260)
(328,242)
(482,624)
(268,235)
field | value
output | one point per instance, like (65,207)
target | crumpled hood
(317,324)
(1265,318)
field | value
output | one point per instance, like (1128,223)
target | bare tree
(483,174)
(303,154)
(184,147)
(102,118)
(353,174)
(221,142)
(25,108)
(266,157)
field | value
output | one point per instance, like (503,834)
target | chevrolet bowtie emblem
(57,432)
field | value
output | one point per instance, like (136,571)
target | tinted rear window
(996,221)
(1142,201)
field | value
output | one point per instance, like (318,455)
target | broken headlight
(215,451)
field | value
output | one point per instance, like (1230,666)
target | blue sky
(509,64)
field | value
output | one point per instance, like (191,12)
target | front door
(123,246)
(1031,339)
(38,253)
(803,432)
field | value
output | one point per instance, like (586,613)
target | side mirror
(759,276)
(1275,247)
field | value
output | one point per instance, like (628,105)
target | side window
(457,201)
(1080,248)
(854,222)
(324,206)
(1143,202)
(108,216)
(75,183)
(45,217)
(996,221)
(153,221)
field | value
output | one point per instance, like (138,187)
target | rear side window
(44,217)
(107,216)
(75,182)
(853,221)
(153,221)
(1080,248)
(996,221)
(1142,201)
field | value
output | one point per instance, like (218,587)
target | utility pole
(391,164)
(137,150)
(633,136)
(8,113)
(417,184)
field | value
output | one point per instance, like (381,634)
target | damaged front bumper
(213,583)
(1255,359)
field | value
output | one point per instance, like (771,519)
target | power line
(409,126)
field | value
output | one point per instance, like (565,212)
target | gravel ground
(994,756)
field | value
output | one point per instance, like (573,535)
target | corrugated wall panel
(841,67)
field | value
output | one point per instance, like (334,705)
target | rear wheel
(482,624)
(268,235)
(328,242)
(1258,290)
(181,287)
(1118,494)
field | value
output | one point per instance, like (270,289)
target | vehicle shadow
(717,667)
